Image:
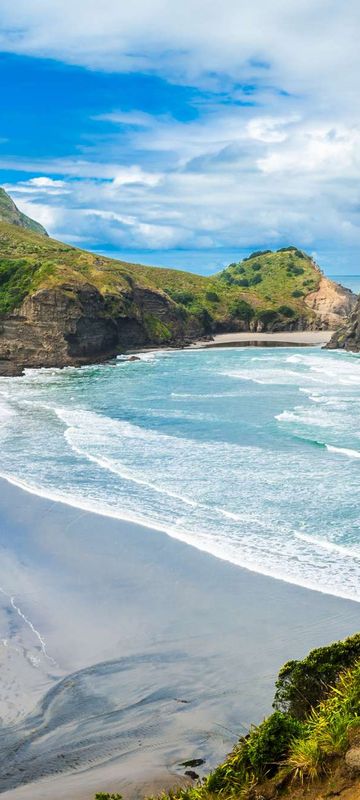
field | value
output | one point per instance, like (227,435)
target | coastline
(282,338)
(135,651)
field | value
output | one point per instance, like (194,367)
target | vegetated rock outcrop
(308,748)
(348,335)
(9,212)
(63,306)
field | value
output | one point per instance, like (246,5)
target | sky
(185,133)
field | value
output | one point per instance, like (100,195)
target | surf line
(30,625)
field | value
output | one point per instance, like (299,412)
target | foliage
(213,297)
(181,296)
(286,311)
(107,796)
(301,685)
(242,310)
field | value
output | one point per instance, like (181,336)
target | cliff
(63,306)
(9,212)
(348,335)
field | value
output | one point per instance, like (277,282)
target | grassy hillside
(268,288)
(10,213)
(297,752)
(281,279)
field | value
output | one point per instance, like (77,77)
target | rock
(191,774)
(194,762)
(134,358)
(352,759)
(348,336)
(331,302)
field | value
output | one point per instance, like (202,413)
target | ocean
(250,454)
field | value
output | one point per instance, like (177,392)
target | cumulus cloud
(271,154)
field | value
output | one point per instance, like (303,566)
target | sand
(281,338)
(125,652)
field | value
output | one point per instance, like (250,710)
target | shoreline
(131,618)
(279,338)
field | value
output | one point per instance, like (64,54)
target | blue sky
(185,135)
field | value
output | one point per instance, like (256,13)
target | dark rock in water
(134,358)
(348,336)
(191,774)
(194,762)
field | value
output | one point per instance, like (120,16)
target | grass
(30,261)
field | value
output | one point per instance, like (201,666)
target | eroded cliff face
(75,325)
(331,302)
(347,337)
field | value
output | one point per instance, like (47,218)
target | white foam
(344,451)
(331,547)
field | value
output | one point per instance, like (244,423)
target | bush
(294,270)
(257,253)
(267,316)
(107,796)
(181,296)
(212,296)
(241,282)
(255,280)
(269,744)
(256,266)
(301,685)
(297,293)
(242,310)
(286,311)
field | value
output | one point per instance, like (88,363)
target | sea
(250,454)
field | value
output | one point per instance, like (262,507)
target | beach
(126,652)
(291,338)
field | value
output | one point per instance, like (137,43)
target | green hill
(61,305)
(9,212)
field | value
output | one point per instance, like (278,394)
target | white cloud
(287,168)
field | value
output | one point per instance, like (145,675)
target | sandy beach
(125,652)
(291,338)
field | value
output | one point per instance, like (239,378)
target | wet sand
(125,652)
(290,338)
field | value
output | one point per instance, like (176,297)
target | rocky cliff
(348,335)
(60,305)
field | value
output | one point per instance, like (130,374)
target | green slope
(29,261)
(10,213)
(281,279)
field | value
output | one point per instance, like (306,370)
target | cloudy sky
(186,133)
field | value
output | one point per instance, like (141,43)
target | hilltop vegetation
(268,289)
(281,280)
(9,212)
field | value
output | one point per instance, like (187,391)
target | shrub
(301,685)
(256,266)
(267,316)
(107,796)
(269,744)
(286,311)
(297,293)
(293,269)
(257,253)
(255,280)
(212,296)
(242,310)
(242,282)
(181,296)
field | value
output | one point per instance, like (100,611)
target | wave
(213,548)
(331,547)
(344,451)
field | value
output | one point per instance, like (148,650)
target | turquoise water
(251,454)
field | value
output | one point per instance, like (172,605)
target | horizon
(138,132)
